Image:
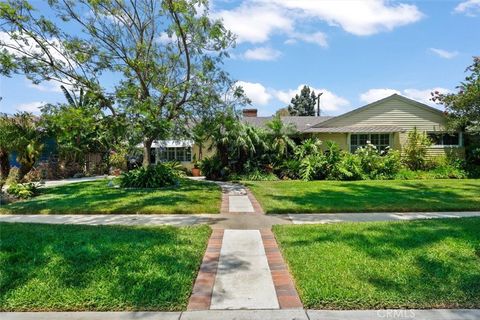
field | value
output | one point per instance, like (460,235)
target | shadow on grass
(418,264)
(61,267)
(97,197)
(366,197)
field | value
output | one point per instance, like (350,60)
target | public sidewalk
(439,314)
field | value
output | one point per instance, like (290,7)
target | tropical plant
(7,136)
(279,138)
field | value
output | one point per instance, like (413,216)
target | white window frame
(158,152)
(441,146)
(349,137)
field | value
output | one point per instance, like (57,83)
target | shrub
(154,176)
(375,165)
(118,159)
(312,167)
(289,169)
(23,190)
(212,168)
(415,151)
(177,169)
(256,175)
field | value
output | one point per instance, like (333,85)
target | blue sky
(353,51)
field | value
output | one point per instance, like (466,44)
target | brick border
(203,288)
(257,208)
(225,206)
(282,280)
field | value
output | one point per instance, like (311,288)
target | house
(383,123)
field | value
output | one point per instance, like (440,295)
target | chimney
(249,112)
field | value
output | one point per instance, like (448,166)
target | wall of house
(339,138)
(399,113)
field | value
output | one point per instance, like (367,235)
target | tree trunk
(4,164)
(147,145)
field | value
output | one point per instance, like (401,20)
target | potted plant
(196,168)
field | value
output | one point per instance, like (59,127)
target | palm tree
(279,134)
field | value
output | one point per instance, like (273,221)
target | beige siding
(339,138)
(394,112)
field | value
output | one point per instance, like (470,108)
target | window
(181,154)
(444,139)
(380,140)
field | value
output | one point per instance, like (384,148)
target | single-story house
(383,123)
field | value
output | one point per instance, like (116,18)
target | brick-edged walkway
(203,288)
(284,286)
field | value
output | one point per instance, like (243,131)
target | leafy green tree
(303,104)
(279,138)
(282,112)
(166,55)
(463,107)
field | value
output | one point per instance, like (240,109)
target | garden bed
(75,268)
(97,197)
(367,196)
(415,264)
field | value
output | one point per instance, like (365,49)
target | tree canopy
(164,55)
(463,107)
(303,104)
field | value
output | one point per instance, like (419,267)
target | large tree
(463,107)
(303,104)
(164,54)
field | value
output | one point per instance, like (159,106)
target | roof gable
(331,122)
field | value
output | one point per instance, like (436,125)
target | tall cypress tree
(303,104)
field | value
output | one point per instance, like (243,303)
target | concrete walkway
(56,183)
(243,279)
(316,218)
(237,199)
(439,314)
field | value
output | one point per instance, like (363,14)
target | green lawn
(98,197)
(367,196)
(72,268)
(415,264)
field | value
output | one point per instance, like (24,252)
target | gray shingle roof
(301,123)
(356,129)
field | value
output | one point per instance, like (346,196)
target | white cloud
(46,86)
(53,45)
(444,53)
(470,8)
(255,92)
(262,54)
(377,94)
(361,18)
(318,38)
(33,107)
(254,22)
(328,101)
(423,95)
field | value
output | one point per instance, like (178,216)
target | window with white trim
(444,139)
(379,140)
(181,154)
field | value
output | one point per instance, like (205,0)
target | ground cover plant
(415,264)
(71,268)
(102,197)
(367,196)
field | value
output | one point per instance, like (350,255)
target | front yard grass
(367,196)
(97,197)
(72,268)
(415,264)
